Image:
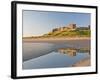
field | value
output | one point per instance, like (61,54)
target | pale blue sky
(36,23)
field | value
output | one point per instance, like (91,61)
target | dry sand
(55,39)
(74,41)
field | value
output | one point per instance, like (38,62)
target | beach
(84,62)
(71,42)
(50,44)
(55,39)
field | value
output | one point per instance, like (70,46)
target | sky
(37,23)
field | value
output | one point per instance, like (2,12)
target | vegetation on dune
(70,33)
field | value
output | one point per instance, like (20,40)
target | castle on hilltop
(69,27)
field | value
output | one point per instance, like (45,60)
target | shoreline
(55,39)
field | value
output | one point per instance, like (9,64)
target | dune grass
(71,33)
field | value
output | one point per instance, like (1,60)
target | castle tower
(72,26)
(89,26)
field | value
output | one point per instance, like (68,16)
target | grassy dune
(71,33)
(77,33)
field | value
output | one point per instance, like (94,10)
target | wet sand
(49,45)
(81,63)
(71,42)
(53,44)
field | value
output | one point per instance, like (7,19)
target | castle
(69,27)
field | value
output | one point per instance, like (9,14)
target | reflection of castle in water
(73,51)
(68,51)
